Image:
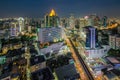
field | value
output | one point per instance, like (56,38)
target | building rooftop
(52,13)
(110,75)
(113,60)
(4,76)
(36,60)
(115,71)
(53,47)
(15,52)
(67,72)
(42,74)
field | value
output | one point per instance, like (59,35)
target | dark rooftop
(67,72)
(42,74)
(115,71)
(36,60)
(15,52)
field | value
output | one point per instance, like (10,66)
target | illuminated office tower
(21,24)
(91,37)
(51,20)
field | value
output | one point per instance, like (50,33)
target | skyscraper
(91,37)
(51,20)
(21,24)
(51,32)
(104,21)
(13,29)
(114,41)
(72,22)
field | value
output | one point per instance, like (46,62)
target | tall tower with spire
(51,19)
(52,32)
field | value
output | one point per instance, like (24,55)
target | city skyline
(38,8)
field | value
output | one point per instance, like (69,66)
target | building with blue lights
(91,37)
(93,49)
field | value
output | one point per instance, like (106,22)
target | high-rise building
(71,21)
(118,28)
(21,24)
(51,32)
(114,41)
(93,49)
(13,29)
(91,37)
(83,23)
(51,20)
(97,21)
(104,21)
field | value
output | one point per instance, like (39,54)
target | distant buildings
(64,22)
(71,22)
(12,26)
(83,22)
(91,20)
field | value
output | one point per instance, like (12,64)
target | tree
(113,52)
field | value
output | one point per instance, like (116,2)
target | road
(84,66)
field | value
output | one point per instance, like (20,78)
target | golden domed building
(51,19)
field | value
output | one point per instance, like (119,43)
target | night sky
(38,8)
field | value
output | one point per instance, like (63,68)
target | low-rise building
(42,74)
(113,74)
(37,62)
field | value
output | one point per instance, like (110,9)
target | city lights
(74,40)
